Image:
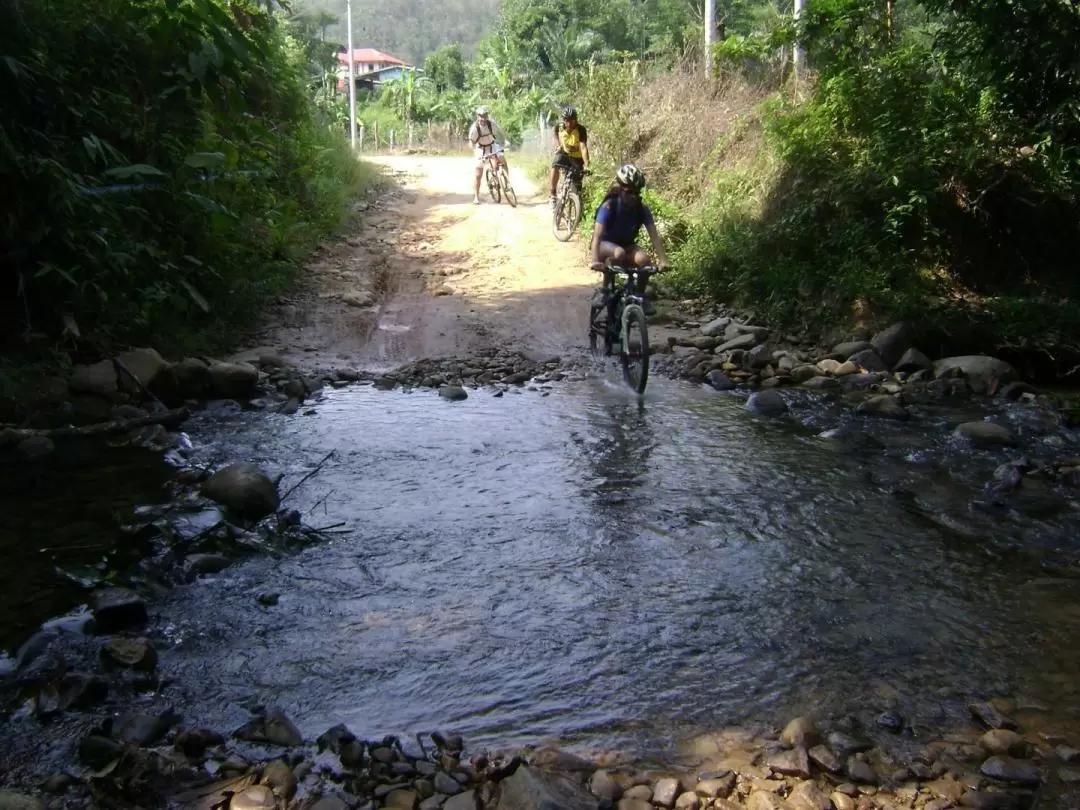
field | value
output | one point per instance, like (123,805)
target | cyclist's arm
(585,154)
(657,243)
(597,234)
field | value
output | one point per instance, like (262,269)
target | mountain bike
(617,317)
(566,214)
(498,180)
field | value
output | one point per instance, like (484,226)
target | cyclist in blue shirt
(619,219)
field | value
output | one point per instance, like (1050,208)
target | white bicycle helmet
(630,176)
(483,110)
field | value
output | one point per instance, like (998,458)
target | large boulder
(188,379)
(117,609)
(532,789)
(716,327)
(243,489)
(233,380)
(104,379)
(891,343)
(984,374)
(767,403)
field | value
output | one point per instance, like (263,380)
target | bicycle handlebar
(649,270)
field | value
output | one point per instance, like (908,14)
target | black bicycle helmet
(569,113)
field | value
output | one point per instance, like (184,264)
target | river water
(575,564)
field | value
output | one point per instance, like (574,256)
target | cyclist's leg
(641,258)
(479,175)
(610,250)
(558,162)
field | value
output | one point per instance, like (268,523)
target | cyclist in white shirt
(486,138)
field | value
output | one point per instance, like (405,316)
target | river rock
(454,393)
(983,374)
(1003,741)
(532,789)
(204,564)
(764,800)
(688,801)
(665,791)
(892,342)
(233,380)
(860,772)
(194,742)
(331,803)
(10,800)
(740,342)
(639,793)
(188,379)
(719,380)
(604,787)
(33,448)
(826,759)
(715,328)
(1008,769)
(989,715)
(802,373)
(271,727)
(279,777)
(867,359)
(716,788)
(850,347)
(96,751)
(821,383)
(986,433)
(913,361)
(117,609)
(634,804)
(767,403)
(997,800)
(791,763)
(759,356)
(463,801)
(132,653)
(256,797)
(885,407)
(841,801)
(445,783)
(140,728)
(401,799)
(808,796)
(244,490)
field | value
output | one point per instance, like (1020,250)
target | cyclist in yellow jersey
(571,147)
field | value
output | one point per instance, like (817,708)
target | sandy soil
(428,274)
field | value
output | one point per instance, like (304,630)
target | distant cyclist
(619,219)
(571,148)
(482,137)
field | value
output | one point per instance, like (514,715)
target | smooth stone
(800,732)
(117,609)
(1007,769)
(791,763)
(808,796)
(1003,741)
(10,800)
(256,797)
(986,433)
(665,791)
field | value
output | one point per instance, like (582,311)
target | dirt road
(430,274)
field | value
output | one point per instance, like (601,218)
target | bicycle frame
(627,299)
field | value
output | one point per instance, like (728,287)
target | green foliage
(446,68)
(163,163)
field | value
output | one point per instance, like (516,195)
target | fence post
(360,135)
(410,134)
(376,149)
(391,140)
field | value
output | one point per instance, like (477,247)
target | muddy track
(429,274)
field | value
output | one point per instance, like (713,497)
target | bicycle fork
(633,306)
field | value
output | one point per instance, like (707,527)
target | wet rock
(986,433)
(532,789)
(205,564)
(851,347)
(984,375)
(820,383)
(892,721)
(279,777)
(913,361)
(893,342)
(719,380)
(358,298)
(1003,741)
(715,328)
(463,801)
(989,715)
(688,801)
(1069,776)
(844,745)
(860,772)
(188,379)
(841,801)
(633,804)
(352,755)
(194,742)
(800,732)
(402,800)
(57,784)
(639,793)
(764,800)
(556,759)
(868,359)
(717,788)
(1015,390)
(233,380)
(33,448)
(96,752)
(946,788)
(665,791)
(1066,753)
(740,342)
(117,609)
(244,490)
(256,797)
(1007,769)
(604,787)
(445,783)
(454,393)
(140,728)
(10,800)
(330,803)
(268,599)
(132,653)
(808,796)
(80,690)
(271,727)
(886,407)
(826,759)
(767,403)
(1001,800)
(791,763)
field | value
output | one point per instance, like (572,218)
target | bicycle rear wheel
(507,189)
(635,353)
(567,216)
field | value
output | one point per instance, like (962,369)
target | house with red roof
(371,68)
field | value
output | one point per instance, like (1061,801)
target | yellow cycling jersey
(570,142)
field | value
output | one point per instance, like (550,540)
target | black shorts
(564,161)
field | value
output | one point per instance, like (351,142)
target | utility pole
(797,55)
(352,78)
(710,33)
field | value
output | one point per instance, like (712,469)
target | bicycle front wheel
(493,186)
(635,349)
(507,189)
(567,216)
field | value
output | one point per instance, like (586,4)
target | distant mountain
(407,29)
